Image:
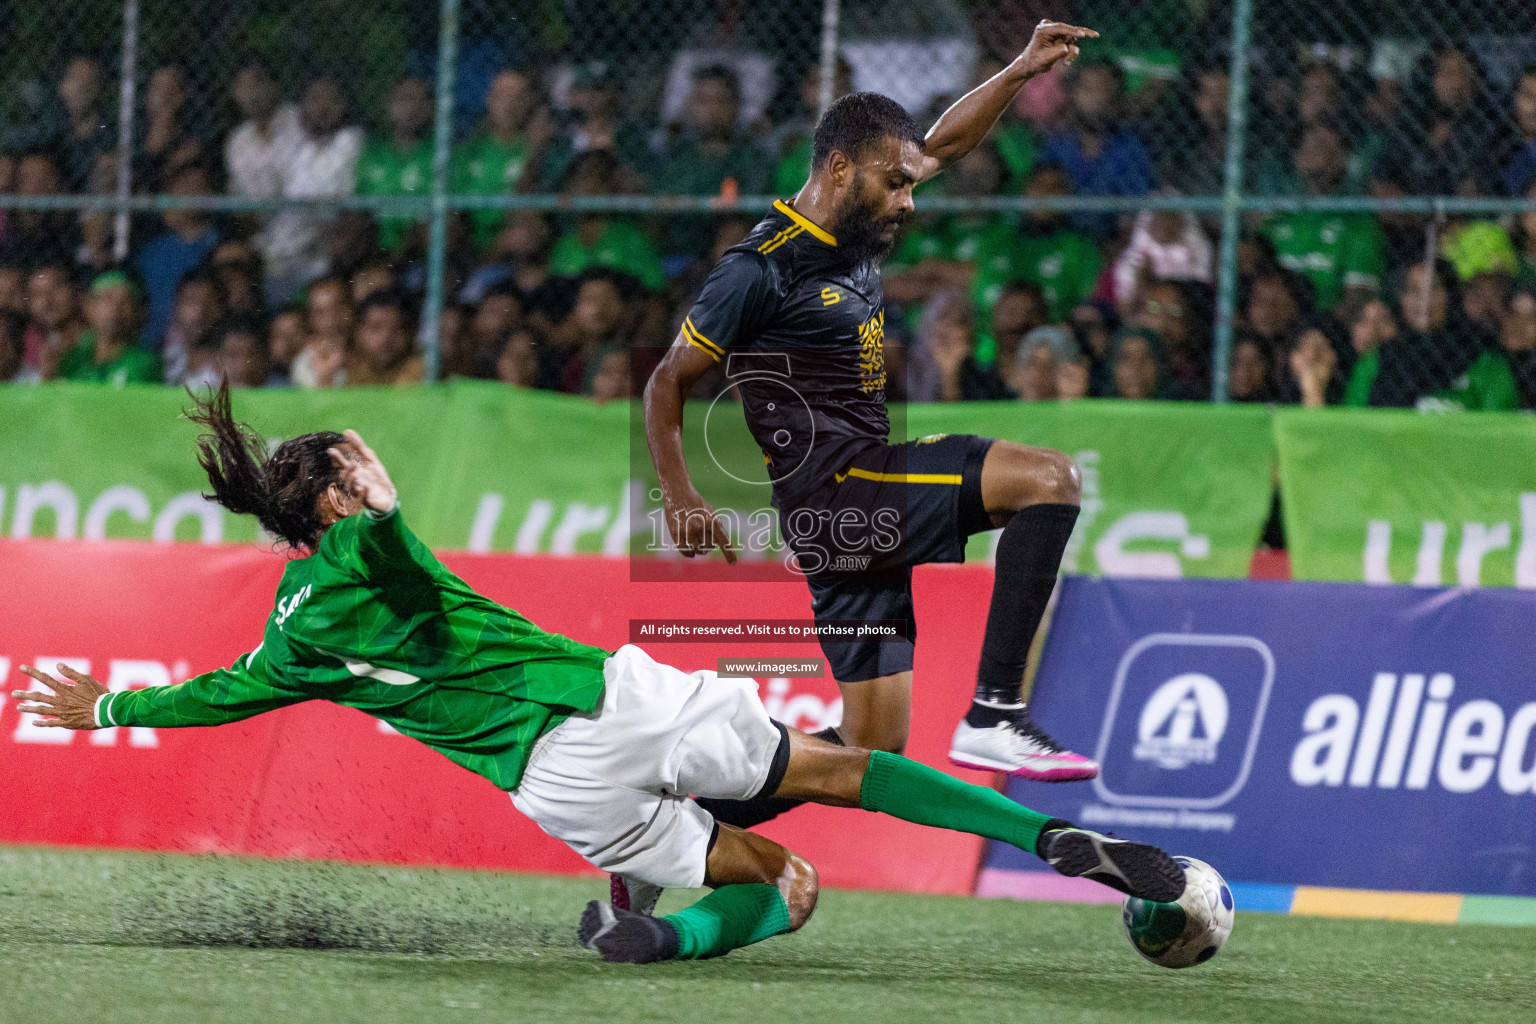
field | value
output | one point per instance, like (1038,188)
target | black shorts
(857,540)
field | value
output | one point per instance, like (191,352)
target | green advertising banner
(1404,497)
(1169,490)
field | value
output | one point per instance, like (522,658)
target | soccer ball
(1186,932)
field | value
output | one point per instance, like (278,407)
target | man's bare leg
(877,715)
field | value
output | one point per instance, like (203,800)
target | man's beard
(859,228)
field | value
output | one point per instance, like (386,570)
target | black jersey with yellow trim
(802,334)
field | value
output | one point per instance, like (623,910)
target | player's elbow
(655,384)
(799,886)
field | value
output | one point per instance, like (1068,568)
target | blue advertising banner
(1297,735)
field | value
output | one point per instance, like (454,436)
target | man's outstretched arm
(961,128)
(213,698)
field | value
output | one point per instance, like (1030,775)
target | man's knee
(1016,476)
(799,886)
(1061,480)
(888,736)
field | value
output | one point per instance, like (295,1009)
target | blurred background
(1313,202)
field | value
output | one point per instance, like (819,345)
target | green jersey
(1362,379)
(1063,263)
(384,170)
(486,166)
(1333,250)
(1488,385)
(951,238)
(133,365)
(619,246)
(374,621)
(794,168)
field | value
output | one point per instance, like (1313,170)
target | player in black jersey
(795,311)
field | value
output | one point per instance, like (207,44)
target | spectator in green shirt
(1500,379)
(941,253)
(791,141)
(708,156)
(402,164)
(601,240)
(496,161)
(1434,350)
(1342,254)
(590,123)
(106,353)
(1045,249)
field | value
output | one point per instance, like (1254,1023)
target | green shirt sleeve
(1364,262)
(640,257)
(214,698)
(1492,385)
(1086,268)
(1357,392)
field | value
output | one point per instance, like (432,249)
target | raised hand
(1052,42)
(71,705)
(362,474)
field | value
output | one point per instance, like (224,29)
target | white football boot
(1017,746)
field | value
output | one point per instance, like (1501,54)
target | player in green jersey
(601,749)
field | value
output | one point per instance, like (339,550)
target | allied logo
(1182,722)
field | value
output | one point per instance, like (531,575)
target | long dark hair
(282,490)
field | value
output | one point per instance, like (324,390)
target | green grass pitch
(117,937)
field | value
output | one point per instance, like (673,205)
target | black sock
(747,813)
(986,715)
(1028,558)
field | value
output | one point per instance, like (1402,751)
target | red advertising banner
(323,781)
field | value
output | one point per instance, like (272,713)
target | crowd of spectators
(1334,308)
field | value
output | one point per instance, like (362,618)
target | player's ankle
(1043,840)
(670,943)
(986,713)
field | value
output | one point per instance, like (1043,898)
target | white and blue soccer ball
(1188,931)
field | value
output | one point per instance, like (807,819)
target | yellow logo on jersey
(872,352)
(930,438)
(831,296)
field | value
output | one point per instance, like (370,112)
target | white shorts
(615,786)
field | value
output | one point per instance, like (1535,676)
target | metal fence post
(125,112)
(830,13)
(1232,197)
(442,145)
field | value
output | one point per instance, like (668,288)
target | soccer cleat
(624,937)
(633,895)
(1018,746)
(1136,869)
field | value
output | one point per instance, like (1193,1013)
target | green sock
(730,917)
(914,792)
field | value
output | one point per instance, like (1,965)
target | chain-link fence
(1315,202)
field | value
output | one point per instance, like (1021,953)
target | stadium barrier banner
(1169,489)
(322,781)
(1399,497)
(1304,738)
